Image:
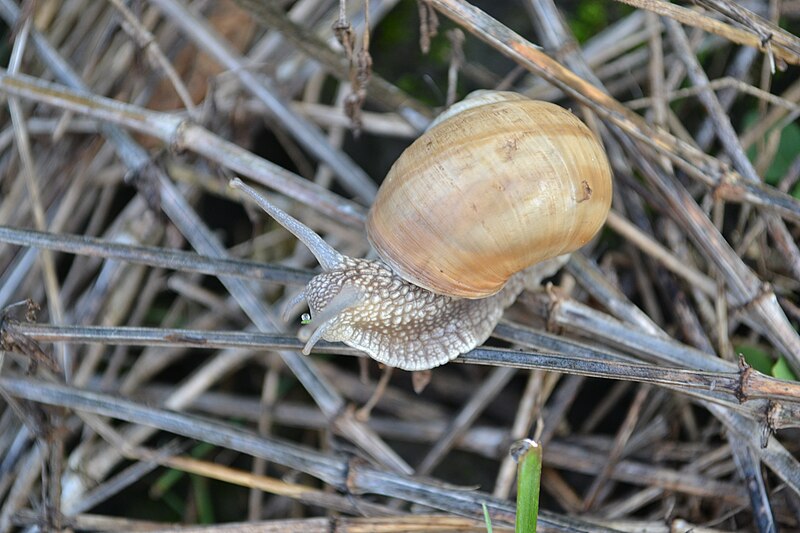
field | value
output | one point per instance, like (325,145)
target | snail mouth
(347,297)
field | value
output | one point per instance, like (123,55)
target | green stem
(528,455)
(486,518)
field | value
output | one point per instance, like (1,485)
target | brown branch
(788,49)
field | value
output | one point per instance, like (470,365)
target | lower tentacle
(347,297)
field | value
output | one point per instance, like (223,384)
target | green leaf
(172,476)
(756,357)
(175,502)
(782,370)
(589,18)
(203,501)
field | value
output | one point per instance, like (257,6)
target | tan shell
(489,191)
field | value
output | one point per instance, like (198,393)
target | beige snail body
(496,185)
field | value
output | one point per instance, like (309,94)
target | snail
(496,184)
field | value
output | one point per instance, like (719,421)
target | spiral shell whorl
(441,222)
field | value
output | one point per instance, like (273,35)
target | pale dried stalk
(52,288)
(311,138)
(181,134)
(788,50)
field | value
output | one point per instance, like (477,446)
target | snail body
(396,322)
(497,184)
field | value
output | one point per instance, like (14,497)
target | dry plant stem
(338,135)
(126,282)
(490,442)
(335,471)
(213,373)
(180,134)
(589,275)
(556,486)
(615,40)
(119,481)
(45,127)
(727,82)
(20,491)
(51,284)
(269,396)
(155,256)
(739,70)
(580,459)
(729,139)
(145,40)
(189,289)
(337,64)
(788,50)
(528,408)
(656,73)
(153,285)
(599,329)
(493,384)
(734,387)
(605,406)
(168,458)
(777,116)
(383,124)
(769,33)
(433,523)
(364,412)
(181,214)
(749,469)
(105,458)
(770,451)
(561,402)
(744,288)
(403,405)
(654,249)
(563,312)
(593,280)
(601,482)
(601,48)
(402,425)
(690,322)
(30,519)
(315,18)
(647,280)
(86,302)
(260,483)
(274,48)
(311,138)
(152,361)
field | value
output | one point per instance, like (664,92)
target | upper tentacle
(328,257)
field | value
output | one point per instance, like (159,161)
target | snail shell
(499,183)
